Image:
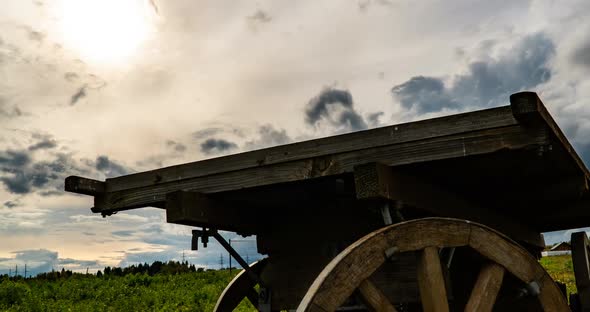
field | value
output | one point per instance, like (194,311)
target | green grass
(193,291)
(561,270)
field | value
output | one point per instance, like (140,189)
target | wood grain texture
(357,262)
(84,186)
(433,293)
(486,288)
(468,144)
(401,133)
(375,298)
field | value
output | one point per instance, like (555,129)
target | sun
(105,31)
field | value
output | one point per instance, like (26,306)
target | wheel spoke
(375,297)
(431,282)
(484,293)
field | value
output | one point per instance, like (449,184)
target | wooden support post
(431,281)
(484,293)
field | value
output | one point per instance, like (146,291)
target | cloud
(364,5)
(178,147)
(110,168)
(124,233)
(43,144)
(373,118)
(581,55)
(336,107)
(486,83)
(207,132)
(7,110)
(21,174)
(80,94)
(42,260)
(11,204)
(268,136)
(260,16)
(213,146)
(71,76)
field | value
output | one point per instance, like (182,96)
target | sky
(106,88)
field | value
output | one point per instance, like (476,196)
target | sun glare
(105,31)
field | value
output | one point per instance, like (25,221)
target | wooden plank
(85,186)
(378,180)
(431,283)
(467,144)
(486,289)
(375,298)
(401,133)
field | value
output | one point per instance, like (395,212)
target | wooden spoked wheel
(351,269)
(241,286)
(581,263)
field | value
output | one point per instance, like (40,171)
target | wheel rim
(240,287)
(352,267)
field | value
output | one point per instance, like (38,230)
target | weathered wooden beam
(528,109)
(375,180)
(459,145)
(84,186)
(397,134)
(197,209)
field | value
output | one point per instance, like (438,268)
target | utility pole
(25,271)
(238,241)
(220,261)
(183,256)
(15,270)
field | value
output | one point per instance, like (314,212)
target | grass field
(190,291)
(561,270)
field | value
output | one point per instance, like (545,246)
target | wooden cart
(435,215)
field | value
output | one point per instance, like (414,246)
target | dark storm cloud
(80,94)
(486,83)
(213,146)
(581,55)
(179,147)
(373,118)
(268,136)
(336,107)
(20,174)
(110,168)
(44,144)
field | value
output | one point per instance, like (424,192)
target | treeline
(157,267)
